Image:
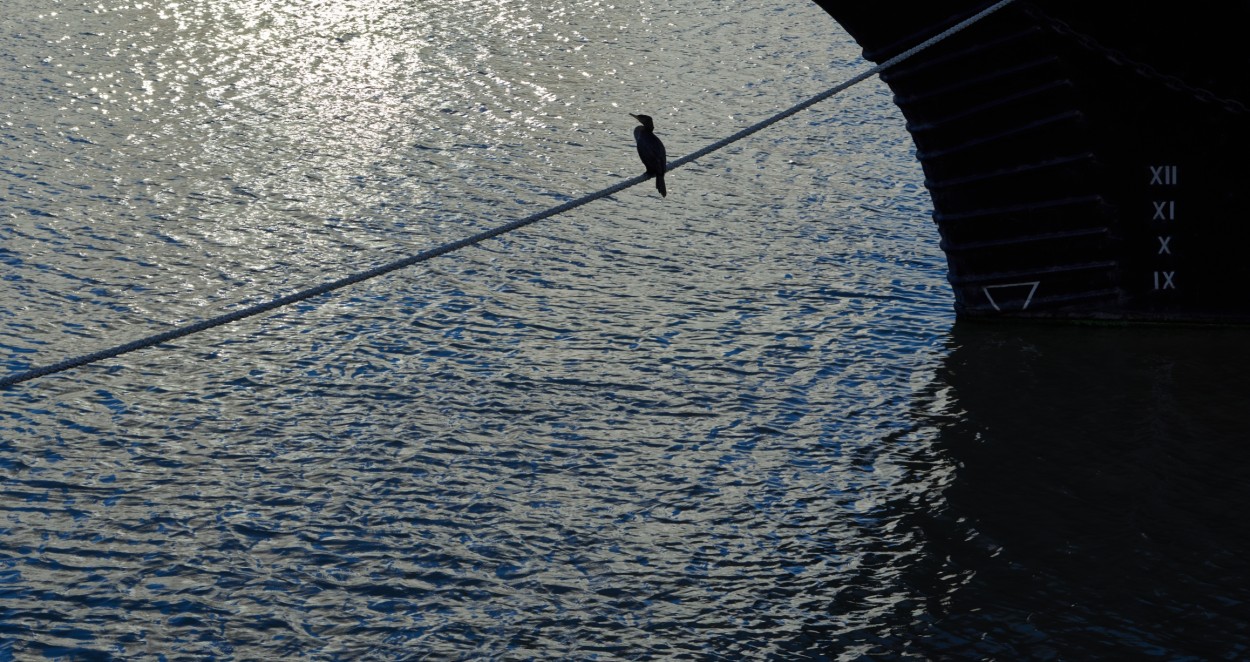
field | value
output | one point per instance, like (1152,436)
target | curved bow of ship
(1085,160)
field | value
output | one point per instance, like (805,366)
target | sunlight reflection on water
(728,423)
(735,422)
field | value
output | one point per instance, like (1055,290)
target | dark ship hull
(1086,160)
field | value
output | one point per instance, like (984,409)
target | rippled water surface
(737,422)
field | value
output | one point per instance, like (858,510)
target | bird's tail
(659,185)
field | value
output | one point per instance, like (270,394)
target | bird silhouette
(651,150)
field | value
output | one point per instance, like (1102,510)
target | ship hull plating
(1083,163)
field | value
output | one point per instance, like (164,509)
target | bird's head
(644,120)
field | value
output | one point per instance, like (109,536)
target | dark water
(739,422)
(1098,502)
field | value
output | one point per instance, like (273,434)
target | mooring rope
(325,288)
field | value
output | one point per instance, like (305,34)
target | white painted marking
(1164,175)
(1164,245)
(1165,210)
(1032,285)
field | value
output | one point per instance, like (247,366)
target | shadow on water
(1097,504)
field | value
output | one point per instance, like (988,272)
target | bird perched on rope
(651,150)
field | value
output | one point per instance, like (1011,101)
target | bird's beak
(633,116)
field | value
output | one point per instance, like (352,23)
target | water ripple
(734,422)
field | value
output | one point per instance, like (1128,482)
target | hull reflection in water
(1097,508)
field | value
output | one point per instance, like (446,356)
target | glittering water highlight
(736,422)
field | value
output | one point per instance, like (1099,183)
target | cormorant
(651,150)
